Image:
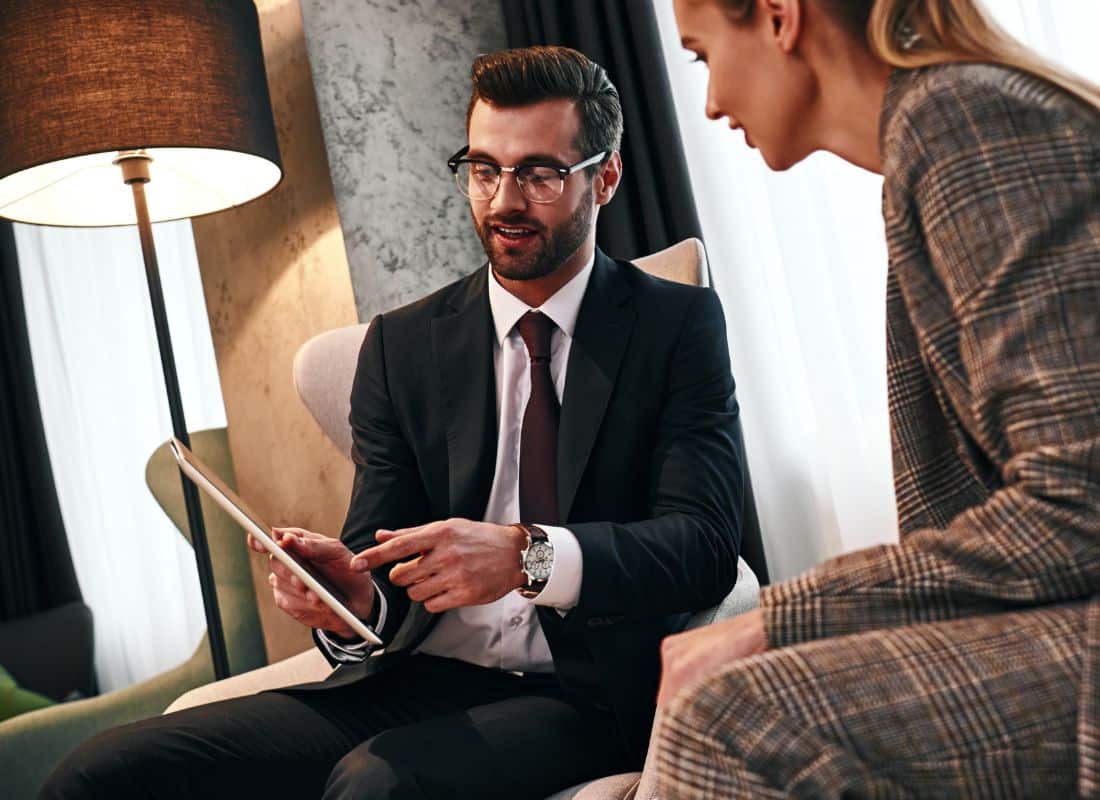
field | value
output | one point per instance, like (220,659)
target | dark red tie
(538,445)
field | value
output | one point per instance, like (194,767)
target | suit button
(516,621)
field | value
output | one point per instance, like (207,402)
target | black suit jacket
(650,470)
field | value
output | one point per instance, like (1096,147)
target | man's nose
(508,196)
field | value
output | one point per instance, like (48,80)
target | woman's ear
(607,179)
(785,22)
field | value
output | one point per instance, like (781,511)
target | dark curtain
(36,569)
(654,207)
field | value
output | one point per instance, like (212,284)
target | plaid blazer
(992,208)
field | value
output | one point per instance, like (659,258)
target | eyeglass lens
(480,181)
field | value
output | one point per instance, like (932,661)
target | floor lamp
(123,112)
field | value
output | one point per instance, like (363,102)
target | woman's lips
(748,139)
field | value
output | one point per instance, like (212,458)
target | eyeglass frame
(455,161)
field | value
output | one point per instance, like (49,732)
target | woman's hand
(691,656)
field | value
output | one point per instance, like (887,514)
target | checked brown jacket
(993,344)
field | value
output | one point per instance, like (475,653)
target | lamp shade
(82,80)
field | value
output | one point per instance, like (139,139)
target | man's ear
(785,22)
(607,179)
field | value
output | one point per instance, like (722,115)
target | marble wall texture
(392,83)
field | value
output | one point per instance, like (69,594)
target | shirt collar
(562,307)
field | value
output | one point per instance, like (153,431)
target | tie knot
(536,328)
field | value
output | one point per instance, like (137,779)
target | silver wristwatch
(536,560)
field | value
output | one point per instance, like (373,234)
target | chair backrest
(684,262)
(324,368)
(228,552)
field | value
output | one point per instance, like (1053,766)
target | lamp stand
(135,173)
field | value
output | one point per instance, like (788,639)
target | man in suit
(549,480)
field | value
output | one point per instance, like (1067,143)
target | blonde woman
(964,661)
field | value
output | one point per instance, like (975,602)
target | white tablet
(208,480)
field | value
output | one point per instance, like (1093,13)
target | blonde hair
(918,33)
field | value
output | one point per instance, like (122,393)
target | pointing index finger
(411,541)
(361,561)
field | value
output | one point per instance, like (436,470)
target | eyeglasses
(540,183)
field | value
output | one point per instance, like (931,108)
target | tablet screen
(209,481)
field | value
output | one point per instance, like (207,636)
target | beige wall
(275,273)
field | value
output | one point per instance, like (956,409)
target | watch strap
(532,588)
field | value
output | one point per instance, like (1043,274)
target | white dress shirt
(506,634)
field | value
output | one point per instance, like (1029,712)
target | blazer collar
(462,345)
(604,325)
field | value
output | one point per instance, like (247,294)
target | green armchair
(32,744)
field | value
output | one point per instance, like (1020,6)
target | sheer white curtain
(799,260)
(105,410)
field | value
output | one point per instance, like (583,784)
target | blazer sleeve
(684,557)
(388,492)
(1002,194)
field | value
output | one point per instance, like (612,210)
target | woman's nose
(712,109)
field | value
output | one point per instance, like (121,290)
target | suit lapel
(463,348)
(604,324)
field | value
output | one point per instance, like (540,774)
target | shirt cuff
(380,597)
(563,587)
(355,651)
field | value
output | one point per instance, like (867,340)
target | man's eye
(482,172)
(539,177)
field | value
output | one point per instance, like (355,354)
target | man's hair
(528,75)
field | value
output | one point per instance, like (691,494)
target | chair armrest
(51,652)
(613,787)
(32,744)
(745,596)
(305,667)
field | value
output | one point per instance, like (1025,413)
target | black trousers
(424,727)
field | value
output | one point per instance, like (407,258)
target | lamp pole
(135,173)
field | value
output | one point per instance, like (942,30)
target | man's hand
(691,656)
(333,560)
(458,562)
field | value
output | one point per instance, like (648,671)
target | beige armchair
(323,372)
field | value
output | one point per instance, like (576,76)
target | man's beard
(554,248)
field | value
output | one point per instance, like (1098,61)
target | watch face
(539,561)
